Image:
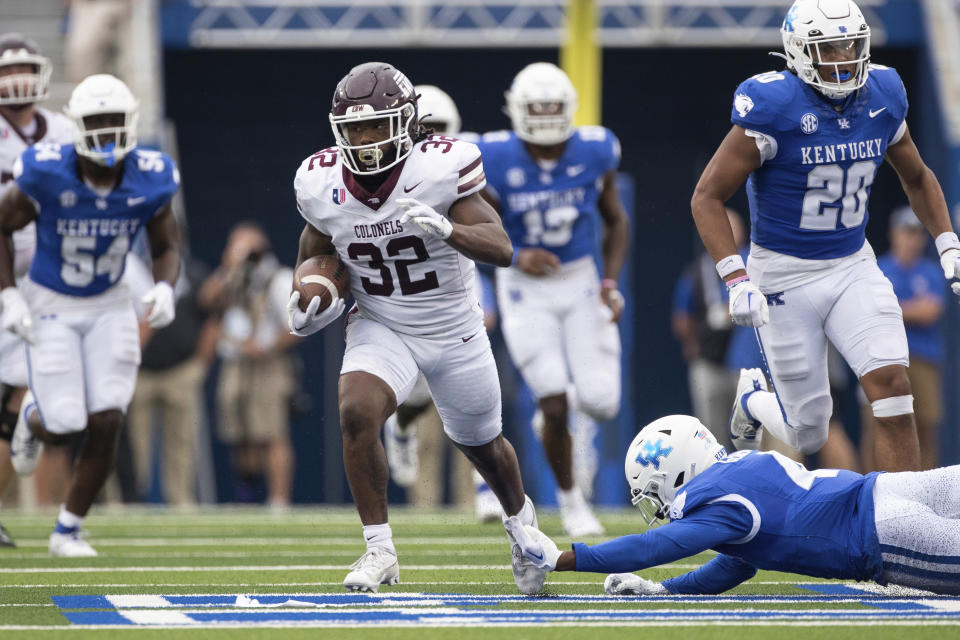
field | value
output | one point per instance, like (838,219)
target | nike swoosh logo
(874,114)
(576,170)
(409,189)
(538,557)
(132,202)
(467,339)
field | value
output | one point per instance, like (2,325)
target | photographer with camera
(256,382)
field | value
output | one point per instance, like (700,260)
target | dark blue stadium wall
(245,119)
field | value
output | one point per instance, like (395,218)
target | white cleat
(377,566)
(528,577)
(70,545)
(487,505)
(576,516)
(745,431)
(25,447)
(401,447)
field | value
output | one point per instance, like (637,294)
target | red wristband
(608,283)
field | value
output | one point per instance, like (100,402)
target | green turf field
(455,579)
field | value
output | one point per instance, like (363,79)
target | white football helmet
(437,110)
(831,34)
(541,103)
(17,87)
(665,455)
(97,95)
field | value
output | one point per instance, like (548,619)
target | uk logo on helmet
(339,196)
(652,452)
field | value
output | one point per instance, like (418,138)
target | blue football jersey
(553,209)
(818,523)
(82,237)
(810,199)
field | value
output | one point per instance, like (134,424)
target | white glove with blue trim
(949,247)
(431,222)
(748,307)
(628,584)
(548,552)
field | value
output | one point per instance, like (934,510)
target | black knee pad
(8,420)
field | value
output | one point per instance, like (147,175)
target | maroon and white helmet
(373,91)
(21,86)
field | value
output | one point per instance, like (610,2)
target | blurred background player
(412,277)
(801,139)
(24,81)
(72,308)
(417,448)
(918,284)
(555,187)
(256,382)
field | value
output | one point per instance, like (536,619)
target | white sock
(526,513)
(69,520)
(764,406)
(379,535)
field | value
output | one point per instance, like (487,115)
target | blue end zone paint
(96,617)
(82,602)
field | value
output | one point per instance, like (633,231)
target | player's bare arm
(164,249)
(533,261)
(731,164)
(313,243)
(920,184)
(616,241)
(16,212)
(478,232)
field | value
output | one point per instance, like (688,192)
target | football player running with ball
(24,81)
(808,142)
(88,200)
(402,209)
(555,187)
(761,510)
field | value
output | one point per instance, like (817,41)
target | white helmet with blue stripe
(831,34)
(665,455)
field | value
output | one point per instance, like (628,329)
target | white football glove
(628,584)
(305,323)
(16,314)
(548,549)
(950,261)
(748,307)
(162,305)
(431,222)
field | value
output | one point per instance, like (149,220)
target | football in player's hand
(325,276)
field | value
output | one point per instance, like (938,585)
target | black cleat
(5,539)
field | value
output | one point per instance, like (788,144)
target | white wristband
(730,264)
(947,240)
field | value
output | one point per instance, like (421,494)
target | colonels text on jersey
(83,236)
(414,285)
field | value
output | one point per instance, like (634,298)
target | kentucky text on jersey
(549,198)
(379,229)
(850,150)
(96,227)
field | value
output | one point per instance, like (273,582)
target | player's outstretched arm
(731,165)
(16,212)
(478,233)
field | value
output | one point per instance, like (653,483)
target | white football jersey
(412,284)
(50,127)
